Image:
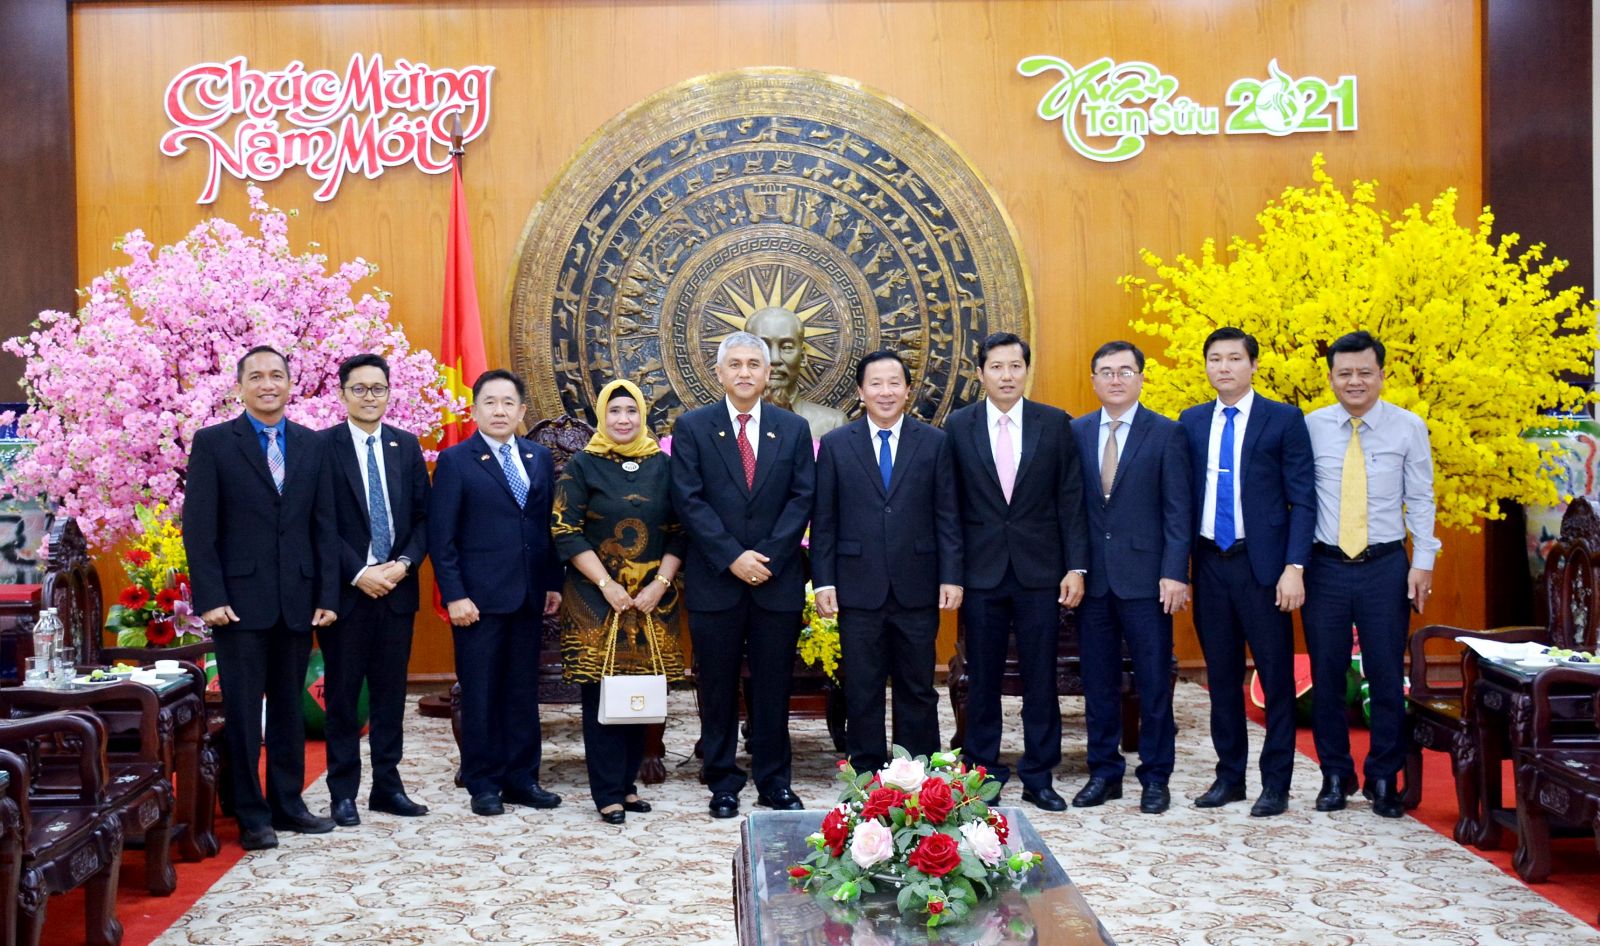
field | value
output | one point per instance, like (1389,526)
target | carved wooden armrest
(1559,676)
(86,730)
(1420,687)
(31,700)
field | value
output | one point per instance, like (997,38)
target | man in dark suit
(886,557)
(1025,550)
(381,495)
(258,529)
(498,574)
(743,475)
(1255,512)
(1136,489)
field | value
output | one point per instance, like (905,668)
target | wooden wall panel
(564,68)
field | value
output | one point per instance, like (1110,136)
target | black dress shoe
(1386,801)
(303,823)
(1044,797)
(780,799)
(1155,798)
(1273,801)
(638,806)
(1097,791)
(257,839)
(1220,793)
(724,805)
(396,804)
(614,817)
(531,796)
(1335,789)
(487,804)
(344,813)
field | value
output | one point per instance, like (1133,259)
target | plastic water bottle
(47,632)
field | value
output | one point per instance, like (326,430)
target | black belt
(1236,548)
(1369,554)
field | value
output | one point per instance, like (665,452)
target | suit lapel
(912,436)
(726,439)
(344,446)
(1030,441)
(393,468)
(250,445)
(861,435)
(1138,428)
(524,448)
(489,462)
(980,434)
(1252,433)
(766,454)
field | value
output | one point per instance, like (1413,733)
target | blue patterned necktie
(274,457)
(377,506)
(1224,526)
(885,458)
(508,465)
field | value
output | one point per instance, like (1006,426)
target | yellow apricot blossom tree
(1477,342)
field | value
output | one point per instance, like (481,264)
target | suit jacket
(483,546)
(1042,533)
(270,557)
(406,488)
(866,542)
(723,517)
(1277,483)
(1142,533)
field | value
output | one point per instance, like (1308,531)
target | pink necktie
(1005,463)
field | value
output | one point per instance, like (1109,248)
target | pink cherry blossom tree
(118,389)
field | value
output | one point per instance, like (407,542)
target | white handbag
(628,699)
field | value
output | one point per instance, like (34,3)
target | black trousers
(611,753)
(269,664)
(723,641)
(1105,623)
(370,645)
(989,617)
(497,665)
(1372,596)
(1231,608)
(877,645)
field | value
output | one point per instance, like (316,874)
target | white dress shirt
(994,414)
(1214,465)
(516,455)
(894,437)
(360,437)
(752,427)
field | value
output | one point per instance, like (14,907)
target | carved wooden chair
(1558,774)
(68,841)
(138,774)
(72,587)
(1069,680)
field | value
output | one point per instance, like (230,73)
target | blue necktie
(885,458)
(1224,526)
(377,507)
(508,465)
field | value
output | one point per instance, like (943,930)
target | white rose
(873,843)
(983,841)
(904,774)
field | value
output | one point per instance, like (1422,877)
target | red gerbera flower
(134,598)
(166,598)
(138,558)
(160,633)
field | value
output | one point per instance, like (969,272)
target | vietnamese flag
(461,347)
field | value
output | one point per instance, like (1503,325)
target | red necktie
(747,454)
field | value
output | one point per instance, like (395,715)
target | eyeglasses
(364,390)
(1126,374)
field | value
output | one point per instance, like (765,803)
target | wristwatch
(601,584)
(404,561)
(664,580)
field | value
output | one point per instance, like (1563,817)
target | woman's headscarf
(601,443)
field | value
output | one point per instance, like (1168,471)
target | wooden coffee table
(1047,910)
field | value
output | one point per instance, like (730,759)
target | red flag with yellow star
(461,345)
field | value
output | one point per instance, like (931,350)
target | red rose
(166,598)
(935,800)
(935,907)
(880,801)
(160,633)
(799,873)
(935,855)
(134,598)
(1002,827)
(138,558)
(835,831)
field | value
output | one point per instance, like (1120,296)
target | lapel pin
(722,433)
(631,467)
(771,435)
(527,456)
(394,443)
(484,457)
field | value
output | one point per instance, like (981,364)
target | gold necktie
(1353,495)
(1108,461)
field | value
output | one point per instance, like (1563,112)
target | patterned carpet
(1216,877)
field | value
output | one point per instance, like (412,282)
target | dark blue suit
(502,557)
(274,559)
(729,620)
(1137,537)
(1235,590)
(886,552)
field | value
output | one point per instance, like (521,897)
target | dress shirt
(516,455)
(993,414)
(1122,436)
(1399,476)
(894,437)
(1208,515)
(282,427)
(752,428)
(360,436)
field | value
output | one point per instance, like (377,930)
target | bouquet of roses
(921,824)
(157,608)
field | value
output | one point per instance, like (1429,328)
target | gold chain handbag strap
(614,630)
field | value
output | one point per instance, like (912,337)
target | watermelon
(314,703)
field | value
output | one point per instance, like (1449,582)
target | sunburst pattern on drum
(829,220)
